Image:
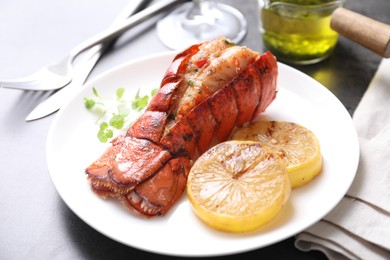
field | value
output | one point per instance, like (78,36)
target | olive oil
(299,33)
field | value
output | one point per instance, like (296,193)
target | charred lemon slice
(296,145)
(237,186)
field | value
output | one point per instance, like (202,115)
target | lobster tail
(158,194)
(208,90)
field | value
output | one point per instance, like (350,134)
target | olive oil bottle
(298,31)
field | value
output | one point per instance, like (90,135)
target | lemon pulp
(298,147)
(238,186)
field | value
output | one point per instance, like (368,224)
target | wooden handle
(370,33)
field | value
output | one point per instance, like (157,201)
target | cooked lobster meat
(209,89)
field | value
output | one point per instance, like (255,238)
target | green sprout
(114,114)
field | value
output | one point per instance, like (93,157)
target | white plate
(72,145)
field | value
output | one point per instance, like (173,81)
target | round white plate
(72,145)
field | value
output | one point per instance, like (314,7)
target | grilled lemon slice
(237,186)
(296,145)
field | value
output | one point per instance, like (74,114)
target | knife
(55,101)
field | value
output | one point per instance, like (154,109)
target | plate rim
(123,65)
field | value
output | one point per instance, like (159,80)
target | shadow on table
(25,102)
(343,74)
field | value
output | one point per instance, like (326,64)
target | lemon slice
(237,186)
(295,144)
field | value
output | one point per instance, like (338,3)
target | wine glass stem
(199,8)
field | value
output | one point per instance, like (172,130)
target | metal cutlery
(55,101)
(60,74)
(87,63)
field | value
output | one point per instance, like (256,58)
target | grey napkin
(359,226)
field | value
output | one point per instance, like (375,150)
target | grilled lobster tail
(208,90)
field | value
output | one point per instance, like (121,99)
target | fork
(58,75)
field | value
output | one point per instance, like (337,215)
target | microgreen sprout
(115,114)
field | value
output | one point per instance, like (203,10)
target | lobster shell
(147,168)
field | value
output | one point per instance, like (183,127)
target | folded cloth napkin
(359,226)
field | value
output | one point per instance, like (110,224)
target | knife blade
(55,101)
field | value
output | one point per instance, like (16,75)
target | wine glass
(201,20)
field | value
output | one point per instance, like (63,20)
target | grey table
(34,222)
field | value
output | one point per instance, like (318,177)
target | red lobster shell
(209,89)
